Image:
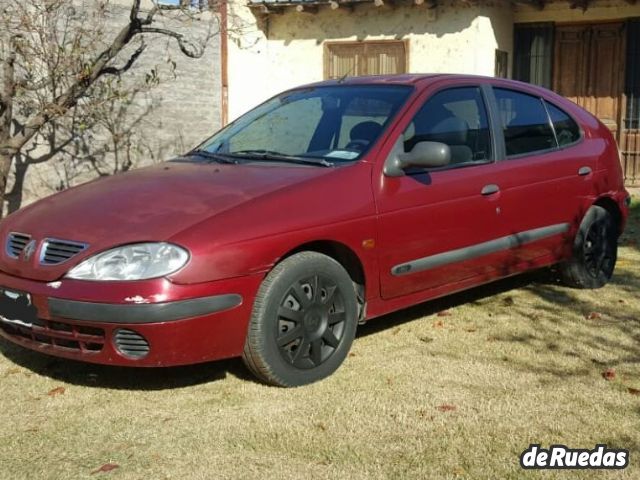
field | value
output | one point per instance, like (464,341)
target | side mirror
(423,154)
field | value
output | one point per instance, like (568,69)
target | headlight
(140,261)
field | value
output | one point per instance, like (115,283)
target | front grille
(16,243)
(130,343)
(56,251)
(59,335)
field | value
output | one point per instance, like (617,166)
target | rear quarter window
(567,130)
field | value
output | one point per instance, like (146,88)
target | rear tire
(595,251)
(303,321)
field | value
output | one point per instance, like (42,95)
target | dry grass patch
(456,388)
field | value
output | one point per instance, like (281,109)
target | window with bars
(351,59)
(502,64)
(533,56)
(632,81)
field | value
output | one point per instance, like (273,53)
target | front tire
(303,321)
(595,251)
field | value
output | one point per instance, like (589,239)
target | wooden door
(630,134)
(589,69)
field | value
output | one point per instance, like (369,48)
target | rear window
(567,130)
(525,123)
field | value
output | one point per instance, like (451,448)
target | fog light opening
(131,344)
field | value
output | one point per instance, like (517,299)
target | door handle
(584,171)
(490,189)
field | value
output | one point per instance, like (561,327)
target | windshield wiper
(270,156)
(215,157)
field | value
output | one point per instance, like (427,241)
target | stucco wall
(287,49)
(599,10)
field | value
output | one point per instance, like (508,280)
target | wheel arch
(611,206)
(341,253)
(350,261)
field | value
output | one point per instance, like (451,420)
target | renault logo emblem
(29,250)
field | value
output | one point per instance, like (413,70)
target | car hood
(150,204)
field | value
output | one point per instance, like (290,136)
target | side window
(458,118)
(525,123)
(362,121)
(567,130)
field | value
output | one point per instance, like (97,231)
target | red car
(327,206)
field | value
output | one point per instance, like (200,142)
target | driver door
(441,226)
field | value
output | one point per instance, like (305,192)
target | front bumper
(180,324)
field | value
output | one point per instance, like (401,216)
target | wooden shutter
(354,59)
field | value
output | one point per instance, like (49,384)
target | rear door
(546,179)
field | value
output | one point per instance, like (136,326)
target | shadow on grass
(432,307)
(565,334)
(123,378)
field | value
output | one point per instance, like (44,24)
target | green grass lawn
(456,388)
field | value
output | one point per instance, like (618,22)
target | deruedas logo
(562,457)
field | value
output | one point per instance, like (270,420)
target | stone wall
(182,110)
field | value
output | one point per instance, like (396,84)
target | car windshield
(319,125)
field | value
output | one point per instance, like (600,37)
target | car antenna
(344,77)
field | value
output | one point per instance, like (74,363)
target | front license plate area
(16,308)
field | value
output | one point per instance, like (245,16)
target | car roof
(397,79)
(421,79)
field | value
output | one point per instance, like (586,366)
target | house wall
(599,10)
(281,51)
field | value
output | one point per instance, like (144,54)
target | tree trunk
(14,198)
(5,169)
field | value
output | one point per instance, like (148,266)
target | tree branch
(182,42)
(70,97)
(135,10)
(119,71)
(148,20)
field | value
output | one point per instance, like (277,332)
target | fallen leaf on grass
(107,467)
(438,324)
(353,354)
(445,407)
(458,471)
(321,426)
(424,414)
(425,339)
(609,374)
(508,301)
(593,316)
(633,391)
(471,329)
(444,313)
(56,391)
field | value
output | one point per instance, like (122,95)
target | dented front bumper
(144,323)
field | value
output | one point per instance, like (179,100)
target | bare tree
(60,71)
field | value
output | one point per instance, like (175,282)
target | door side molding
(478,250)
